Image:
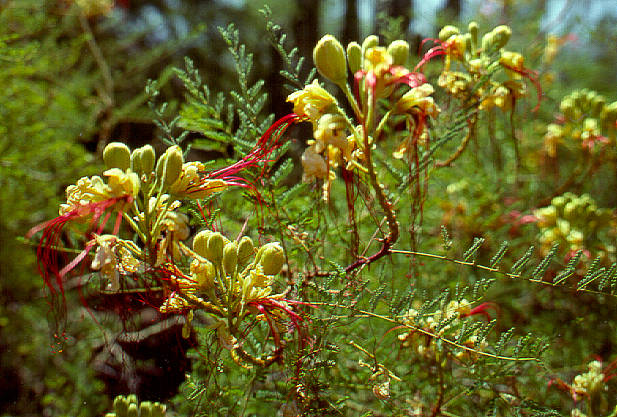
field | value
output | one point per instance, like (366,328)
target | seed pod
(200,242)
(133,411)
(230,258)
(272,258)
(214,251)
(121,405)
(117,155)
(329,58)
(245,249)
(354,57)
(399,51)
(447,31)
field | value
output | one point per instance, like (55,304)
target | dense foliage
(426,235)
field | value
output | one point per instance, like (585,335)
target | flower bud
(354,57)
(245,249)
(145,409)
(133,411)
(447,31)
(399,51)
(472,28)
(200,243)
(136,161)
(117,155)
(230,258)
(121,405)
(568,108)
(271,258)
(215,247)
(329,58)
(371,41)
(111,415)
(158,410)
(597,104)
(173,165)
(147,159)
(501,35)
(132,398)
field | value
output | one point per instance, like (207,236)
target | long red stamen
(532,76)
(46,252)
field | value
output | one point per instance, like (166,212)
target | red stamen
(532,76)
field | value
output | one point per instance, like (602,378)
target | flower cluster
(447,321)
(380,76)
(230,280)
(585,120)
(130,406)
(567,220)
(470,60)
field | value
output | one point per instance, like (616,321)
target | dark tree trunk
(452,9)
(306,27)
(350,27)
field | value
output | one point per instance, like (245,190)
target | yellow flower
(331,130)
(312,101)
(122,183)
(190,185)
(105,260)
(419,98)
(313,164)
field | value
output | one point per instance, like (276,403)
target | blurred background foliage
(73,75)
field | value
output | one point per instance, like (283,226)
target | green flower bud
(329,58)
(132,398)
(133,411)
(200,243)
(215,248)
(399,51)
(245,249)
(597,105)
(271,258)
(371,41)
(110,415)
(173,165)
(501,35)
(117,155)
(230,258)
(354,57)
(136,161)
(487,41)
(121,405)
(147,159)
(145,408)
(558,202)
(568,108)
(473,31)
(447,31)
(158,410)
